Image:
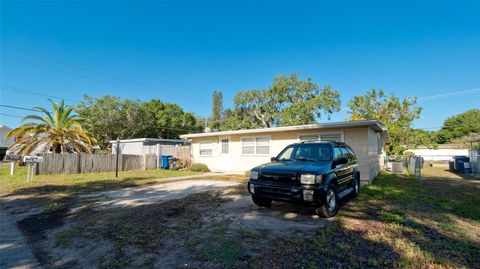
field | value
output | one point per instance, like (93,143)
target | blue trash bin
(459,163)
(165,164)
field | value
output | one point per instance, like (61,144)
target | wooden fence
(57,163)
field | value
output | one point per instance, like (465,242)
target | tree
(289,101)
(419,137)
(395,113)
(170,120)
(217,109)
(237,119)
(59,131)
(459,126)
(110,117)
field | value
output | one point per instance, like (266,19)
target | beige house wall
(363,141)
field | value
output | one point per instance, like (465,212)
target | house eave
(345,124)
(148,140)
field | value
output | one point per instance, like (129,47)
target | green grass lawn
(77,183)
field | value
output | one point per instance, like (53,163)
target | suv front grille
(285,177)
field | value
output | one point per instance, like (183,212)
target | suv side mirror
(273,159)
(342,160)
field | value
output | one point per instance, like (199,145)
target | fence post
(144,161)
(418,167)
(117,151)
(79,163)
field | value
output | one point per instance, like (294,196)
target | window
(206,148)
(322,137)
(313,152)
(309,137)
(286,154)
(248,146)
(225,146)
(331,137)
(352,153)
(337,153)
(346,153)
(256,146)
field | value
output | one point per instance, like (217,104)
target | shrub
(199,167)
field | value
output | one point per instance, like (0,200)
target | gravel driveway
(143,195)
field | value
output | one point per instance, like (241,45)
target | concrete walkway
(14,250)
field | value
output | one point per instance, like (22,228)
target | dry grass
(78,183)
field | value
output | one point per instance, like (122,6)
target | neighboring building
(144,146)
(4,142)
(241,150)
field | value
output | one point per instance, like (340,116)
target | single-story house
(241,150)
(144,146)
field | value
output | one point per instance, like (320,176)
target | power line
(21,108)
(88,69)
(448,94)
(10,115)
(156,90)
(15,89)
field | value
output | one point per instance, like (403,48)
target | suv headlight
(311,179)
(253,174)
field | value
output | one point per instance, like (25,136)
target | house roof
(148,140)
(329,125)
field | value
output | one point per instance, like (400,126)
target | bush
(199,167)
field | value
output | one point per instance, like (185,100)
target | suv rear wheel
(329,206)
(356,185)
(262,201)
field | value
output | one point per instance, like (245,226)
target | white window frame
(220,142)
(341,133)
(200,149)
(255,145)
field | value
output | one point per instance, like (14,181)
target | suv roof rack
(320,141)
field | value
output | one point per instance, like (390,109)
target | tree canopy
(59,131)
(288,101)
(395,113)
(460,125)
(110,117)
(217,108)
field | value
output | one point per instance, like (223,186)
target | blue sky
(181,51)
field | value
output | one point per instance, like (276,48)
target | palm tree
(59,131)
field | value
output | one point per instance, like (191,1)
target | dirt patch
(280,217)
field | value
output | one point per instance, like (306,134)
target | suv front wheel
(329,206)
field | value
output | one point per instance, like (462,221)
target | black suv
(312,173)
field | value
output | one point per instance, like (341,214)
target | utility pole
(118,153)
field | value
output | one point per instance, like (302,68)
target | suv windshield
(306,152)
